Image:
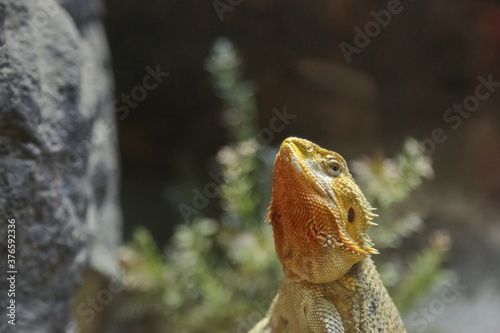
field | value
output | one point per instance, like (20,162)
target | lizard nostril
(350,215)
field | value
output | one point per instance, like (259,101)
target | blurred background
(205,91)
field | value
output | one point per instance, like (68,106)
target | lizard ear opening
(350,215)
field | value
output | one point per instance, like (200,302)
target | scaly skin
(319,218)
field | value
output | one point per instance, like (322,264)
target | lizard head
(318,213)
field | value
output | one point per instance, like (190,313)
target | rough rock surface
(58,162)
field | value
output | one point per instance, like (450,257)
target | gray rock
(58,158)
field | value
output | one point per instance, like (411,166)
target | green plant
(216,274)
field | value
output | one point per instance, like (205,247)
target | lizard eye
(335,168)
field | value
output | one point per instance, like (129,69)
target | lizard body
(319,218)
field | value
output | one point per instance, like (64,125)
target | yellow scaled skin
(319,218)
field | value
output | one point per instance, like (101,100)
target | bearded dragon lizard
(319,218)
